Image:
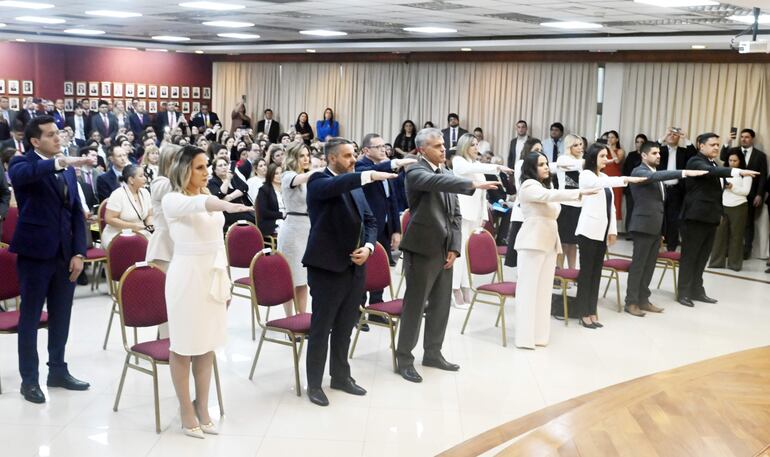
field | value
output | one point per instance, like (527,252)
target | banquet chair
(124,250)
(406,216)
(615,266)
(243,241)
(565,276)
(9,226)
(669,260)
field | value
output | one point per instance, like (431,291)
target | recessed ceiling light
(85,31)
(170,38)
(571,25)
(322,32)
(20,40)
(239,36)
(749,19)
(111,13)
(677,3)
(466,49)
(430,30)
(41,19)
(125,48)
(229,24)
(215,6)
(199,51)
(156,50)
(2,25)
(26,5)
(310,50)
(698,46)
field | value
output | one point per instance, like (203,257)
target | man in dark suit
(453,132)
(139,121)
(58,114)
(104,122)
(269,126)
(80,125)
(646,225)
(701,214)
(517,144)
(89,177)
(16,140)
(29,111)
(205,119)
(430,247)
(108,181)
(755,160)
(342,235)
(50,243)
(674,157)
(7,118)
(169,119)
(5,203)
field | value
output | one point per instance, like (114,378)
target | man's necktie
(106,122)
(454,136)
(62,183)
(555,151)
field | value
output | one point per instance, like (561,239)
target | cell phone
(733,131)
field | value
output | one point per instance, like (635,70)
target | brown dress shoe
(651,308)
(634,310)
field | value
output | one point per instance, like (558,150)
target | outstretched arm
(419,178)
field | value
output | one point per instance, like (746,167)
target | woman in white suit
(465,164)
(537,245)
(596,229)
(160,247)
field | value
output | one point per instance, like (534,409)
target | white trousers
(460,268)
(533,297)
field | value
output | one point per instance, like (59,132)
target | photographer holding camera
(129,206)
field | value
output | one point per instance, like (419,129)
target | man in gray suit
(430,246)
(646,226)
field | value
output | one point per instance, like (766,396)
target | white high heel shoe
(195,432)
(209,428)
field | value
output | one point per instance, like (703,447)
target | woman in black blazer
(225,186)
(270,203)
(302,126)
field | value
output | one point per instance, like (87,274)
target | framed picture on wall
(153,106)
(2,86)
(27,87)
(13,86)
(94,104)
(13,103)
(196,107)
(106,89)
(185,107)
(69,104)
(163,91)
(152,91)
(196,92)
(174,91)
(207,92)
(80,89)
(117,89)
(130,90)
(185,91)
(93,89)
(141,90)
(69,88)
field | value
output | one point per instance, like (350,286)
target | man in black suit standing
(269,126)
(80,126)
(89,176)
(104,122)
(139,121)
(108,181)
(16,140)
(674,157)
(517,144)
(342,236)
(701,215)
(7,118)
(755,160)
(453,132)
(170,119)
(58,114)
(5,203)
(205,119)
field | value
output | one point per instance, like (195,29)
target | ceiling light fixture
(229,24)
(156,50)
(20,40)
(214,6)
(571,25)
(115,14)
(749,19)
(324,33)
(41,19)
(698,46)
(85,32)
(2,25)
(466,49)
(239,36)
(199,51)
(430,30)
(170,38)
(26,5)
(677,3)
(312,51)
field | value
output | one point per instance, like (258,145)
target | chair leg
(662,274)
(256,356)
(609,281)
(253,324)
(301,345)
(296,366)
(617,290)
(502,319)
(122,380)
(109,325)
(468,315)
(155,394)
(219,388)
(675,270)
(566,302)
(136,337)
(358,332)
(392,329)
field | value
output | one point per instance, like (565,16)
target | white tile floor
(264,417)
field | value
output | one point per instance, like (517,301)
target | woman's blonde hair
(292,154)
(146,155)
(464,145)
(570,141)
(181,169)
(168,154)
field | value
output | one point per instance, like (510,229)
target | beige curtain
(696,97)
(378,97)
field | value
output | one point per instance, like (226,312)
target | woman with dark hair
(517,218)
(303,128)
(596,229)
(728,243)
(223,185)
(428,125)
(327,127)
(129,206)
(270,209)
(633,160)
(404,143)
(257,179)
(538,244)
(614,167)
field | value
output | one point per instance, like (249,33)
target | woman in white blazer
(160,247)
(473,208)
(537,244)
(596,229)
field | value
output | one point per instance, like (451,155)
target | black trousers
(336,297)
(503,221)
(591,260)
(697,241)
(629,209)
(642,268)
(672,207)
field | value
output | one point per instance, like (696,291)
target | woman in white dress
(257,179)
(129,206)
(465,164)
(197,285)
(293,233)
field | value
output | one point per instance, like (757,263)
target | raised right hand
(693,173)
(593,191)
(751,173)
(382,175)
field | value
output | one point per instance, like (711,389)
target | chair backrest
(243,241)
(405,218)
(102,213)
(271,282)
(377,270)
(9,224)
(481,252)
(9,284)
(489,225)
(142,297)
(124,251)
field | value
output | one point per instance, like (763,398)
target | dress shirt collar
(432,167)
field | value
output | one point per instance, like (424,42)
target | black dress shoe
(67,382)
(317,396)
(588,325)
(364,327)
(410,374)
(348,385)
(378,319)
(32,393)
(83,279)
(441,363)
(704,298)
(686,302)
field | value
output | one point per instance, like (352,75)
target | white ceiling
(376,25)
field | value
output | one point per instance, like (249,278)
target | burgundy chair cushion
(9,224)
(568,273)
(670,255)
(618,264)
(392,307)
(124,251)
(271,280)
(9,321)
(503,288)
(243,281)
(298,323)
(96,253)
(243,243)
(9,278)
(157,349)
(502,250)
(482,253)
(143,297)
(377,270)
